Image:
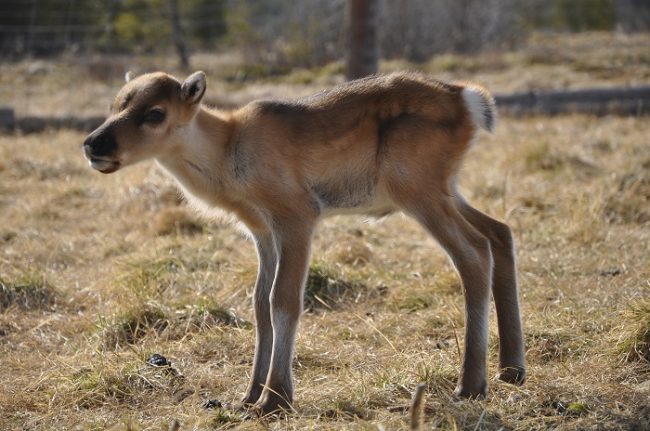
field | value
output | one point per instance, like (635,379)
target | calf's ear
(128,76)
(193,88)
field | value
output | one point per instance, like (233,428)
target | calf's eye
(155,116)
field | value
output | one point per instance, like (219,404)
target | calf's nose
(100,144)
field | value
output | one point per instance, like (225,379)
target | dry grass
(636,342)
(94,281)
(28,292)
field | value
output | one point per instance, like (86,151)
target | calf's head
(144,120)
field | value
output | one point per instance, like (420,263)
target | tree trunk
(181,49)
(363,41)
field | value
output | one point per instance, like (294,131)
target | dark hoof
(271,404)
(246,403)
(478,393)
(513,375)
(251,397)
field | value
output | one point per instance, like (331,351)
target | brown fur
(376,145)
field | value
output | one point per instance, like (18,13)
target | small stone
(212,404)
(610,272)
(559,406)
(158,360)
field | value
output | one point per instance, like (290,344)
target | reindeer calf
(374,146)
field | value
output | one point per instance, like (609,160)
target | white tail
(481,106)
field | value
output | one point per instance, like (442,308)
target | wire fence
(413,29)
(50,27)
(96,40)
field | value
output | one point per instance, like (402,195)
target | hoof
(478,393)
(271,404)
(513,375)
(242,407)
(247,402)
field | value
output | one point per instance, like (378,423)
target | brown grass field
(97,273)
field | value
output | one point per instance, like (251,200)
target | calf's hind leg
(504,289)
(470,252)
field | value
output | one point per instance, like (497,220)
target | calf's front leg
(267,257)
(292,241)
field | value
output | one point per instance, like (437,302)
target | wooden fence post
(363,43)
(7,119)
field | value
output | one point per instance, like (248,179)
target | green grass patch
(577,409)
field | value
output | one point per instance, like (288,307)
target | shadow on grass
(29,292)
(169,323)
(326,289)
